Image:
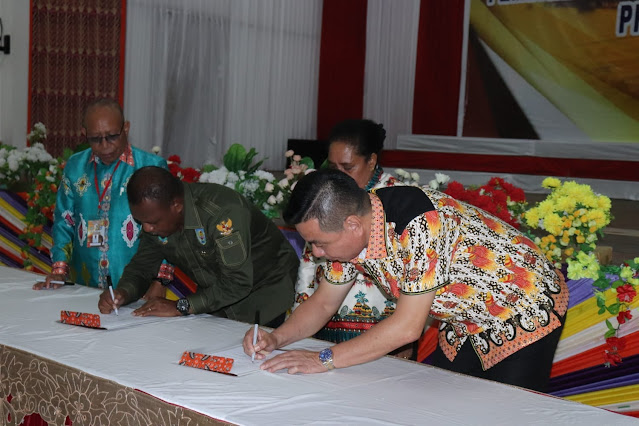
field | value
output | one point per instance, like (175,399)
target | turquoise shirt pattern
(77,205)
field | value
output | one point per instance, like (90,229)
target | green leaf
(610,333)
(308,161)
(207,168)
(614,308)
(609,325)
(602,310)
(617,283)
(234,157)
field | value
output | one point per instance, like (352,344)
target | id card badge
(96,233)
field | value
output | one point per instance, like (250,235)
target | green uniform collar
(191,216)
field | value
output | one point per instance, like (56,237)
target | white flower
(216,176)
(272,200)
(442,178)
(289,153)
(279,197)
(50,178)
(40,128)
(401,172)
(250,187)
(261,174)
(269,187)
(415,176)
(232,178)
(282,184)
(156,150)
(433,184)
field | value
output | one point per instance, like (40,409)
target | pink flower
(289,153)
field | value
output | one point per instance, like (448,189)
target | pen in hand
(112,295)
(256,327)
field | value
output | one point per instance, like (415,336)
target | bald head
(101,103)
(154,184)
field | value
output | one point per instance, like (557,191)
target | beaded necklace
(376,175)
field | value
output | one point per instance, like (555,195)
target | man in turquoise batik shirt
(94,234)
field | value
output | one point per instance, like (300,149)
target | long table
(132,376)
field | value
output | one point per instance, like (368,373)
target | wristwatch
(326,358)
(183,306)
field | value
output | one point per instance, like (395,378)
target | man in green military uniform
(239,259)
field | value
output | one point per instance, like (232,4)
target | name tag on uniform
(96,232)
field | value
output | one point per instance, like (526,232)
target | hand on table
(106,304)
(158,307)
(304,362)
(48,284)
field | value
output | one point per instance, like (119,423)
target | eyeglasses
(109,138)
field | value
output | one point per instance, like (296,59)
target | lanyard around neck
(108,184)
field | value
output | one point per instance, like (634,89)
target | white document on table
(126,319)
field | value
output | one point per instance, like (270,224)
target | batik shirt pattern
(494,288)
(77,204)
(364,305)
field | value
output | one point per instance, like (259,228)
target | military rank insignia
(225,227)
(201,236)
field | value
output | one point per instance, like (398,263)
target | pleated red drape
(76,55)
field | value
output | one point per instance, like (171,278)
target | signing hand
(106,304)
(266,343)
(48,284)
(158,307)
(305,362)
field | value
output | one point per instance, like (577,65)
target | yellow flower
(566,204)
(581,239)
(532,217)
(553,224)
(603,202)
(551,182)
(569,251)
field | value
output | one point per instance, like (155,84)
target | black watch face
(183,306)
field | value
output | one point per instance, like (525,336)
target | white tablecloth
(387,391)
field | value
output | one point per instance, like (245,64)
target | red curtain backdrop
(76,55)
(438,67)
(342,61)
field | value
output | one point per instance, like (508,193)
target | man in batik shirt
(501,303)
(94,234)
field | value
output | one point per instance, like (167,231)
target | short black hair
(102,103)
(366,136)
(155,184)
(329,196)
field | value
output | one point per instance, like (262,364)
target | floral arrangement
(439,181)
(187,174)
(624,282)
(20,165)
(407,178)
(574,217)
(497,197)
(37,134)
(241,173)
